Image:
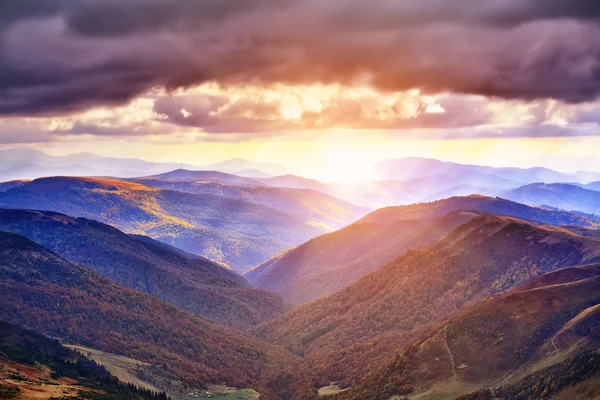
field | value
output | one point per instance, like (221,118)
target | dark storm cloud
(61,56)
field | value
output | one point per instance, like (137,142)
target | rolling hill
(4,186)
(313,207)
(333,261)
(390,307)
(538,341)
(192,283)
(559,195)
(48,294)
(238,233)
(297,182)
(593,186)
(234,165)
(186,175)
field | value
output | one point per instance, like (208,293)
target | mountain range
(347,333)
(236,232)
(398,182)
(557,195)
(191,283)
(333,261)
(492,205)
(22,163)
(417,167)
(252,279)
(315,207)
(44,292)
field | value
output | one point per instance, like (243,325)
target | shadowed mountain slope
(190,282)
(238,233)
(44,292)
(333,261)
(533,342)
(480,258)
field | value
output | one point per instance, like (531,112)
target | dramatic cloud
(64,56)
(285,108)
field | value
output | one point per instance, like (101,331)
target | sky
(326,87)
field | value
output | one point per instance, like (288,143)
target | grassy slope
(34,366)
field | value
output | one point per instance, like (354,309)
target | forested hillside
(189,282)
(347,332)
(42,291)
(238,233)
(34,366)
(533,342)
(332,262)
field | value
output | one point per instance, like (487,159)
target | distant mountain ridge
(415,167)
(399,182)
(179,175)
(333,261)
(228,230)
(494,205)
(189,282)
(239,164)
(24,163)
(559,195)
(297,182)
